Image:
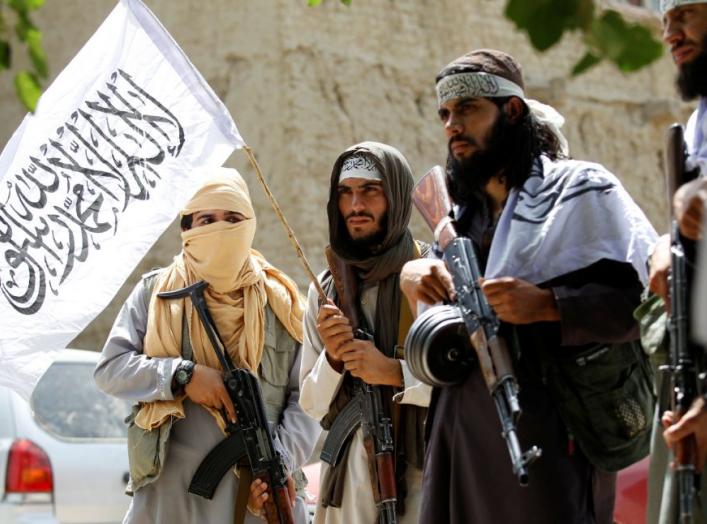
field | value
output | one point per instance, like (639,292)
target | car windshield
(67,403)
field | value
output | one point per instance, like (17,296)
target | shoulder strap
(244,481)
(405,319)
(150,280)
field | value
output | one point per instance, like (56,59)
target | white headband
(667,5)
(468,85)
(359,166)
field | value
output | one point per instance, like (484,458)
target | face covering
(217,252)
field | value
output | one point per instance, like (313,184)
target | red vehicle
(632,494)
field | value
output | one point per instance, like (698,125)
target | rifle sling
(245,477)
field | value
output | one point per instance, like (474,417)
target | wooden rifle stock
(346,287)
(283,507)
(431,199)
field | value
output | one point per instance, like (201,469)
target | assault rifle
(683,371)
(250,436)
(365,409)
(432,200)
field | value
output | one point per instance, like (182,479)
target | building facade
(304,83)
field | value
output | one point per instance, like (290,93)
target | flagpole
(291,235)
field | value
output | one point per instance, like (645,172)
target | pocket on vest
(605,397)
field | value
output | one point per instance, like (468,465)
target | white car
(63,456)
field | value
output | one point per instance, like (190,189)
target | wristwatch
(184,372)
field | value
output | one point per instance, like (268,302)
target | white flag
(90,181)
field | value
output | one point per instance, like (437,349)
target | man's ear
(514,108)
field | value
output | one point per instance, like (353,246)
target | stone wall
(303,84)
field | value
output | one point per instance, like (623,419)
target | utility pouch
(146,451)
(605,398)
(653,323)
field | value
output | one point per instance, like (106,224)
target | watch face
(181,377)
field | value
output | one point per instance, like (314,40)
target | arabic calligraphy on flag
(117,145)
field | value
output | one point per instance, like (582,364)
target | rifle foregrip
(500,356)
(386,476)
(431,198)
(686,450)
(685,455)
(284,507)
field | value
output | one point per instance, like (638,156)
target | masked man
(369,209)
(158,355)
(563,250)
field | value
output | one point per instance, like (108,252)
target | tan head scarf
(241,283)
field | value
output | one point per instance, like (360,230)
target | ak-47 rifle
(250,436)
(431,198)
(365,409)
(684,375)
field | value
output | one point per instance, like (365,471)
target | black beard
(364,247)
(470,175)
(692,76)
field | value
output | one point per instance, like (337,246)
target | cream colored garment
(241,283)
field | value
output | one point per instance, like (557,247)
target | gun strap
(245,477)
(404,322)
(369,445)
(406,318)
(150,283)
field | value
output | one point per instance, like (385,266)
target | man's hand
(259,500)
(694,422)
(689,203)
(363,360)
(517,301)
(206,388)
(426,280)
(660,268)
(334,329)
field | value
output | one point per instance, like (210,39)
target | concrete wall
(303,84)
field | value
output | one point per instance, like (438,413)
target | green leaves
(26,5)
(36,52)
(607,36)
(5,55)
(28,89)
(587,61)
(545,21)
(27,83)
(629,46)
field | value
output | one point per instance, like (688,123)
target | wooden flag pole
(293,239)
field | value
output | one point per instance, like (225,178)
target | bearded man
(158,355)
(563,249)
(369,210)
(685,32)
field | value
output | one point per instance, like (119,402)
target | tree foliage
(606,34)
(17,29)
